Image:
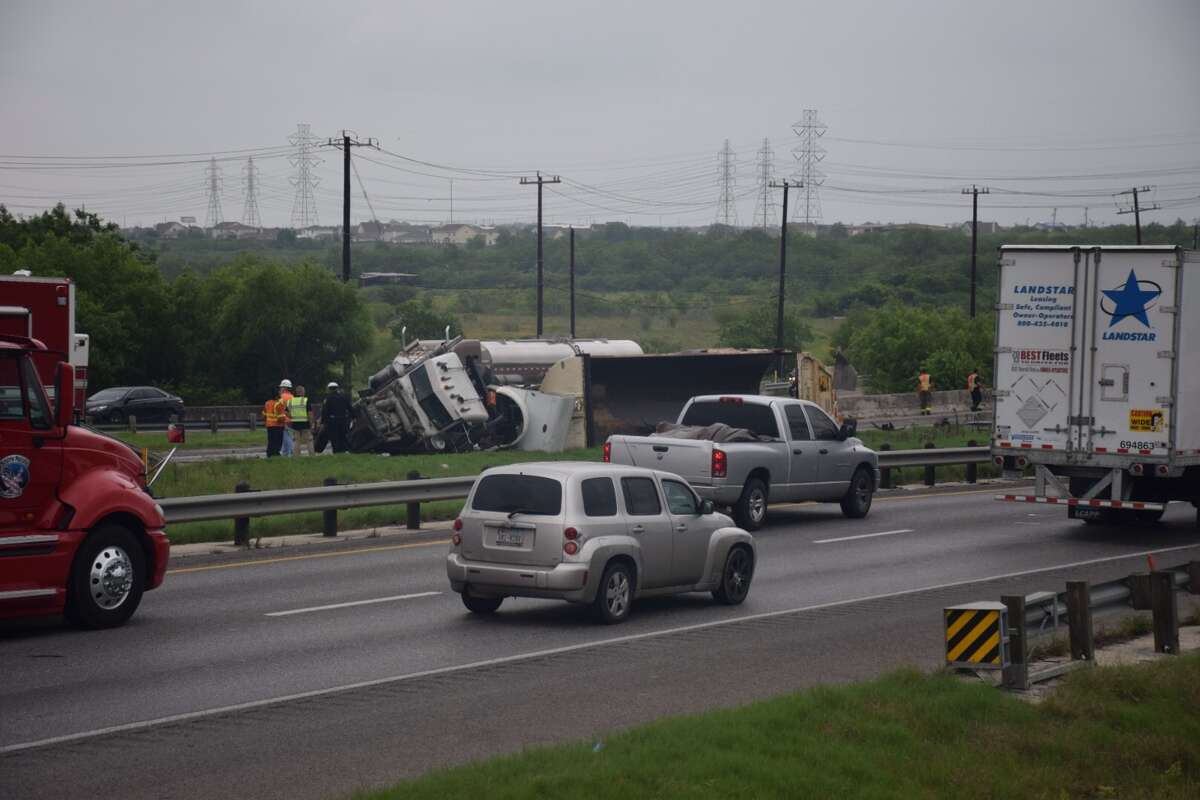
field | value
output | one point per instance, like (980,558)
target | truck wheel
(481,605)
(750,511)
(614,598)
(736,577)
(107,579)
(857,501)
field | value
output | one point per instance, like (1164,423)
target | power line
(726,180)
(808,154)
(251,216)
(304,207)
(1135,209)
(764,210)
(212,180)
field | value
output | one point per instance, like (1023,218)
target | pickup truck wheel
(857,501)
(614,598)
(751,508)
(735,578)
(481,605)
(107,579)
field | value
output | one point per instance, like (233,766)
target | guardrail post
(241,525)
(133,423)
(1140,593)
(1193,571)
(212,425)
(885,473)
(930,470)
(253,422)
(329,516)
(413,523)
(972,467)
(1079,619)
(1016,674)
(1166,612)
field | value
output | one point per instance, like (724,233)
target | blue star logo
(1131,300)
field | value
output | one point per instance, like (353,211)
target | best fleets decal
(1130,300)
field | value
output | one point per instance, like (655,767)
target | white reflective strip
(1135,505)
(352,603)
(39,538)
(23,593)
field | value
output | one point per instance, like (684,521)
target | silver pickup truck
(799,453)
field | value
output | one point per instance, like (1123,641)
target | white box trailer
(1097,376)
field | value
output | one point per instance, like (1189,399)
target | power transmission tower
(539,180)
(212,181)
(250,215)
(975,191)
(764,209)
(1135,209)
(344,143)
(782,267)
(727,178)
(304,207)
(808,154)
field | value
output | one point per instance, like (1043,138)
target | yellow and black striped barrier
(975,636)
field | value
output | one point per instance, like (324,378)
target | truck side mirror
(706,507)
(64,394)
(849,428)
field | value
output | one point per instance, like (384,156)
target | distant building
(984,227)
(463,234)
(233,230)
(319,233)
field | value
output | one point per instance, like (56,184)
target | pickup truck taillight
(720,463)
(607,452)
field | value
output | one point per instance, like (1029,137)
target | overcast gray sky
(1065,101)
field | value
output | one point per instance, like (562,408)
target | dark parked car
(144,402)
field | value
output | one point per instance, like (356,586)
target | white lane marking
(353,603)
(863,536)
(554,651)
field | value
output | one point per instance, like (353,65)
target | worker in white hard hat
(289,440)
(335,417)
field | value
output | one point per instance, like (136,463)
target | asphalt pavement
(317,671)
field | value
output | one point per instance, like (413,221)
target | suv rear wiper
(516,511)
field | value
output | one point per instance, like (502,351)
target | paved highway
(317,673)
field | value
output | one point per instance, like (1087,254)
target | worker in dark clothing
(975,387)
(335,418)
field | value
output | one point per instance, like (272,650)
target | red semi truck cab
(79,533)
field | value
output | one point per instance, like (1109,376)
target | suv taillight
(607,452)
(458,523)
(719,463)
(571,533)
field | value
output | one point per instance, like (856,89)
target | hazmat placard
(1146,420)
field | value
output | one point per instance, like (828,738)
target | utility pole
(344,144)
(1196,235)
(1136,210)
(572,235)
(809,154)
(250,215)
(786,184)
(304,207)
(975,191)
(212,180)
(764,211)
(726,180)
(539,180)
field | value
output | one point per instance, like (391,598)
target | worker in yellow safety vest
(298,410)
(925,391)
(275,418)
(975,387)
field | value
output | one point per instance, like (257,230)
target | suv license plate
(509,538)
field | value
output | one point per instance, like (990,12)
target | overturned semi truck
(459,394)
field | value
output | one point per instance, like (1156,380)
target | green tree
(756,326)
(418,319)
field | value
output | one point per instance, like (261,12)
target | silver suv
(597,534)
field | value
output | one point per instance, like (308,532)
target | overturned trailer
(540,394)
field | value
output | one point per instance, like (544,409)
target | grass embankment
(1129,732)
(196,440)
(220,476)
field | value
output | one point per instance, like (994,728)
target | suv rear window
(527,494)
(754,418)
(599,497)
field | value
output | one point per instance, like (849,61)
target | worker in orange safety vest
(275,417)
(925,391)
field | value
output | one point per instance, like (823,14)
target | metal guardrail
(188,425)
(1046,612)
(316,498)
(323,498)
(933,457)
